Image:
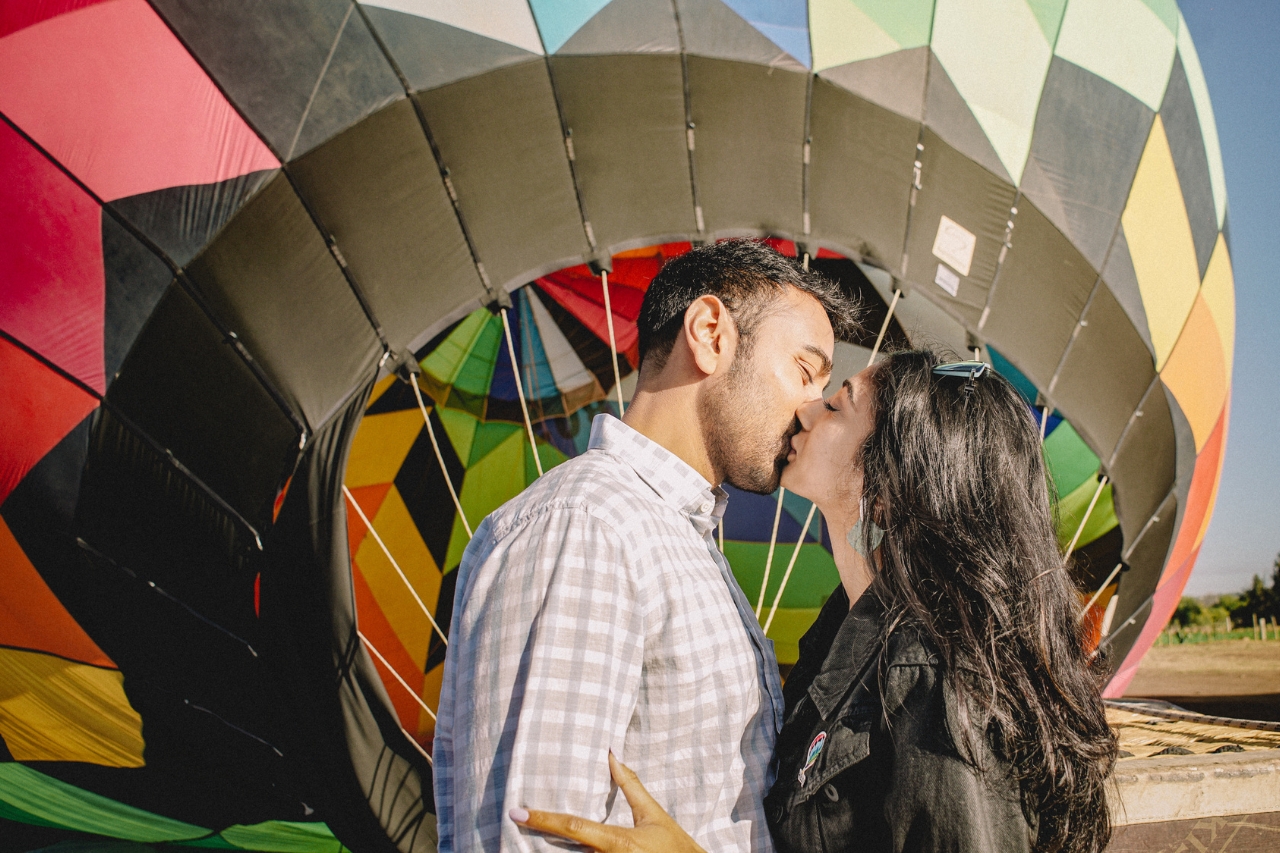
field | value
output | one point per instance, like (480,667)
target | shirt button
(831,793)
(706,507)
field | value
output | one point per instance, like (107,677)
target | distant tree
(1254,601)
(1259,599)
(1271,600)
(1215,615)
(1188,612)
(1230,603)
(1236,607)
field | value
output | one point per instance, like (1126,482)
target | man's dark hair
(747,276)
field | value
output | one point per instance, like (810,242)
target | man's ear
(710,333)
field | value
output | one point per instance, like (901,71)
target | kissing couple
(942,701)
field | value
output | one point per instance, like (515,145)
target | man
(594,611)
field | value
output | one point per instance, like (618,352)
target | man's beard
(747,454)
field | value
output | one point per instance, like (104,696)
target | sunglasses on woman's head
(970,370)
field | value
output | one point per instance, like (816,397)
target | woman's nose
(808,413)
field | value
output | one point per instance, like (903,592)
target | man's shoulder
(594,485)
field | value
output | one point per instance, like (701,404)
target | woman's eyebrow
(848,389)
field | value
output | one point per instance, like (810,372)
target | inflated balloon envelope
(223,222)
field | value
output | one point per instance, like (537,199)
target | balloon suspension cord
(369,525)
(377,654)
(435,445)
(524,407)
(613,343)
(884,327)
(1102,484)
(1106,583)
(804,531)
(773,543)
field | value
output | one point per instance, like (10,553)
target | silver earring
(874,536)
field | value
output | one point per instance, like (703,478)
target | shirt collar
(673,479)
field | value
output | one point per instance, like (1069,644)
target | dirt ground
(1232,678)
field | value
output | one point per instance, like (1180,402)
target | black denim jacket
(867,758)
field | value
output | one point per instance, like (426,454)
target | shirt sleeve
(548,652)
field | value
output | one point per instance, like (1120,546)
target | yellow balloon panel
(396,527)
(380,446)
(842,33)
(1219,292)
(53,709)
(790,622)
(1160,243)
(1196,372)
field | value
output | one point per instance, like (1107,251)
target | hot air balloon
(229,228)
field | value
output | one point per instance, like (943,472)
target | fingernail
(520,815)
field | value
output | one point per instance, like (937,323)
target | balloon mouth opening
(504,395)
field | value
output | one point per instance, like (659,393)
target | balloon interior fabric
(558,329)
(225,225)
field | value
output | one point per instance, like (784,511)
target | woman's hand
(654,831)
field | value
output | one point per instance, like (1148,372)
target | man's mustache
(794,428)
(781,461)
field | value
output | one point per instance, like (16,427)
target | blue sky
(1239,46)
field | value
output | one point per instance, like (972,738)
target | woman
(943,699)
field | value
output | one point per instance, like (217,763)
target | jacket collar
(670,477)
(855,647)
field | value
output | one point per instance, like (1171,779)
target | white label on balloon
(954,245)
(947,280)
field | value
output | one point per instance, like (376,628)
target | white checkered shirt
(594,611)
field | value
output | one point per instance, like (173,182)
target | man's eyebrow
(824,360)
(848,389)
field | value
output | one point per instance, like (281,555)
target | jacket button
(831,793)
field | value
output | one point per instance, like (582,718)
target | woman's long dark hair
(957,479)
